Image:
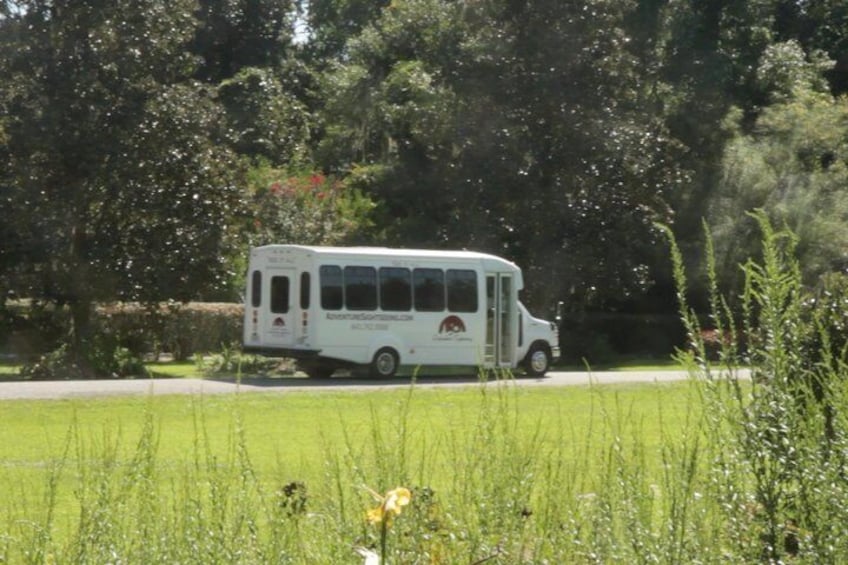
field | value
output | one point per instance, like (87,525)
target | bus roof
(391,252)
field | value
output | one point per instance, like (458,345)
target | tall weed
(776,442)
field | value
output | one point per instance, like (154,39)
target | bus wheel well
(317,369)
(385,363)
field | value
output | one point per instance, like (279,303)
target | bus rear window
(280,295)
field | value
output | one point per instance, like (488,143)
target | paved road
(78,389)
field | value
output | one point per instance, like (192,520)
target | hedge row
(178,329)
(29,331)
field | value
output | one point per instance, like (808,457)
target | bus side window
(395,289)
(360,288)
(256,289)
(332,295)
(462,290)
(305,280)
(429,290)
(280,295)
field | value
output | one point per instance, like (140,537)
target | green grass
(476,445)
(292,429)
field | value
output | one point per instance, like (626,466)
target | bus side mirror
(559,308)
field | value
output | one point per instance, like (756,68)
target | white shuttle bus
(380,309)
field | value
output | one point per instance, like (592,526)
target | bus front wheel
(385,363)
(538,360)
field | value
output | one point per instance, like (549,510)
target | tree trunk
(81,304)
(79,340)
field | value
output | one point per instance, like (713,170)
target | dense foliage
(141,141)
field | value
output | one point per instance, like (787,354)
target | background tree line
(146,144)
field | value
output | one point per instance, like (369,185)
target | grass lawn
(296,436)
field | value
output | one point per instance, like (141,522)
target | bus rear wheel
(385,363)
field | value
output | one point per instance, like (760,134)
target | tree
(120,190)
(708,53)
(10,238)
(785,70)
(592,167)
(264,119)
(793,166)
(818,25)
(247,51)
(389,118)
(234,34)
(331,23)
(521,129)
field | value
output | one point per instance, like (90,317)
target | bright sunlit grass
(293,428)
(296,437)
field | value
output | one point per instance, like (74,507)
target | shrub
(32,328)
(600,337)
(103,357)
(231,361)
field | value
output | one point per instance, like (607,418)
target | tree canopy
(120,186)
(146,144)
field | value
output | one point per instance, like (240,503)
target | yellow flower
(375,515)
(397,498)
(390,505)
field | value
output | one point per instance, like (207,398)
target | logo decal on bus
(452,325)
(279,322)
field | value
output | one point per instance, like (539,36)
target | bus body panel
(341,305)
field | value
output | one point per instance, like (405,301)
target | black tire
(385,363)
(537,361)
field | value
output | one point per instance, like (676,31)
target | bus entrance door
(501,304)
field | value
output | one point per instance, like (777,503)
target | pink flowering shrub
(308,208)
